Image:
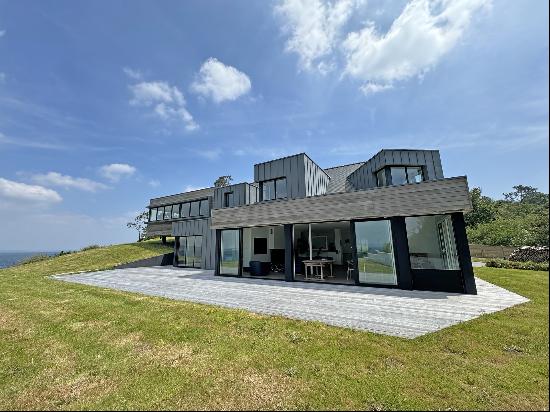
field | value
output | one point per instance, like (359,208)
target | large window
(160,213)
(229,252)
(190,251)
(167,212)
(381,178)
(432,242)
(274,189)
(184,212)
(375,258)
(152,215)
(204,207)
(195,207)
(400,175)
(176,211)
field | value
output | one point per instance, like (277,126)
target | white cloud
(2,33)
(424,32)
(373,88)
(154,183)
(2,77)
(314,28)
(115,171)
(57,179)
(167,102)
(132,73)
(15,191)
(219,82)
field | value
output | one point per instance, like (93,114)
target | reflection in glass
(176,212)
(167,212)
(204,207)
(152,215)
(381,178)
(194,209)
(268,190)
(280,188)
(229,252)
(414,174)
(190,251)
(398,176)
(160,213)
(432,242)
(375,252)
(184,210)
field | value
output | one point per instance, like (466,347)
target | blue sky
(105,105)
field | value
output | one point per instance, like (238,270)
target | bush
(33,259)
(530,254)
(90,247)
(510,264)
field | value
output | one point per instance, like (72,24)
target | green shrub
(509,264)
(90,247)
(33,259)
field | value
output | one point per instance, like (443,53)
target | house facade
(391,221)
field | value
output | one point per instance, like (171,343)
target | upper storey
(298,177)
(291,177)
(396,167)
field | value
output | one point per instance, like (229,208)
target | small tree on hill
(139,223)
(223,181)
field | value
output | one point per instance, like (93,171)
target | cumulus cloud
(68,182)
(166,101)
(220,82)
(319,33)
(424,32)
(116,171)
(22,192)
(314,27)
(373,88)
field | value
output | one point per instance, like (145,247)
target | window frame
(274,181)
(228,198)
(386,171)
(201,203)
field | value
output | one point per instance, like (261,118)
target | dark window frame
(274,189)
(388,177)
(228,198)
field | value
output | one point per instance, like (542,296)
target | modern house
(392,221)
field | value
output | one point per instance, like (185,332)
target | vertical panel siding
(199,227)
(364,177)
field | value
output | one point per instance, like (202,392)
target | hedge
(509,264)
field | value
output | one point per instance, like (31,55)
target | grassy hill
(69,346)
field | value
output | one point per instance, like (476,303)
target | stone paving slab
(394,312)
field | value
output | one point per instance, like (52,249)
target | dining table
(311,264)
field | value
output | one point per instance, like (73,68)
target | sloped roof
(338,175)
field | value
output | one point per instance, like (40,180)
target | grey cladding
(364,177)
(425,198)
(182,197)
(241,194)
(200,227)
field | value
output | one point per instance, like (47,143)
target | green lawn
(67,346)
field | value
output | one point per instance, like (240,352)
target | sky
(104,105)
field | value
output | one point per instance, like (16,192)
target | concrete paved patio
(395,312)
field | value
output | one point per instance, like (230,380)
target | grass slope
(68,346)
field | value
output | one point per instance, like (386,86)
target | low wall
(484,251)
(161,260)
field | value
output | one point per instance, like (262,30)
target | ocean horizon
(10,258)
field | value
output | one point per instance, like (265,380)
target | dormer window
(399,175)
(273,189)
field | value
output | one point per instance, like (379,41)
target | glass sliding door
(375,258)
(230,252)
(190,251)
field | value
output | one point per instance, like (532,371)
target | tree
(139,223)
(521,193)
(484,210)
(223,181)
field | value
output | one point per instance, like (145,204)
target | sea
(8,259)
